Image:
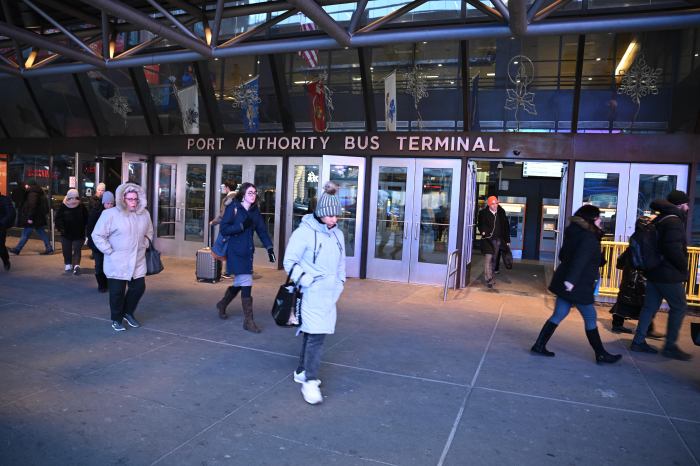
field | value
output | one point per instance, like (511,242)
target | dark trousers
(310,357)
(122,301)
(99,269)
(71,251)
(674,294)
(3,249)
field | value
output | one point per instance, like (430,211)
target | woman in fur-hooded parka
(122,235)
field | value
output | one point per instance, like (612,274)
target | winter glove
(247,223)
(271,255)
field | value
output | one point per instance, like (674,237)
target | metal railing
(610,275)
(451,271)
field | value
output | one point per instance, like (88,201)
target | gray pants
(310,357)
(490,260)
(674,293)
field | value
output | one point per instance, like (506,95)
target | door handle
(407,230)
(417,227)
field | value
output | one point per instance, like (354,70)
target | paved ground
(407,380)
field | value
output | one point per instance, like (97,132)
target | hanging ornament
(246,98)
(416,87)
(321,100)
(120,104)
(521,72)
(639,81)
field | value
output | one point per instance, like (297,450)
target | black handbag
(286,309)
(153,263)
(507,256)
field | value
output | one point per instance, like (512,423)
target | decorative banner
(317,99)
(390,101)
(247,99)
(188,99)
(152,73)
(521,73)
(416,87)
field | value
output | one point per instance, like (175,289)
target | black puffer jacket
(34,208)
(581,259)
(485,224)
(71,222)
(673,244)
(94,213)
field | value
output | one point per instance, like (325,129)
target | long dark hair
(242,190)
(588,212)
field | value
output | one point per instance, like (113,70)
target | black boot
(618,324)
(248,322)
(231,293)
(600,354)
(545,334)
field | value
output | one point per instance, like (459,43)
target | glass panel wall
(62,105)
(19,114)
(119,110)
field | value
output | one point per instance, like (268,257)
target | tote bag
(153,263)
(286,309)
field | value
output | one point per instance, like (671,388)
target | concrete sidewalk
(407,380)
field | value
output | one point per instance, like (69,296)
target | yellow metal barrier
(610,276)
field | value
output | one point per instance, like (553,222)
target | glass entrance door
(349,174)
(624,191)
(135,169)
(469,216)
(181,216)
(413,219)
(266,174)
(303,181)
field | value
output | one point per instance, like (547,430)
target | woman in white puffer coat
(316,257)
(122,234)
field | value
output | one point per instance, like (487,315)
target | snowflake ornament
(120,104)
(640,80)
(416,87)
(521,73)
(192,117)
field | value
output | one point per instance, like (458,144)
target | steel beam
(357,15)
(206,94)
(279,82)
(670,20)
(259,28)
(217,22)
(502,9)
(38,41)
(534,8)
(9,17)
(487,10)
(171,18)
(60,27)
(143,93)
(312,9)
(517,9)
(365,62)
(191,10)
(542,14)
(105,34)
(62,7)
(136,17)
(391,16)
(10,70)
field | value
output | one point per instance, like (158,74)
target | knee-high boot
(600,354)
(545,334)
(231,293)
(248,322)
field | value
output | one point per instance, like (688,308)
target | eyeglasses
(131,199)
(251,193)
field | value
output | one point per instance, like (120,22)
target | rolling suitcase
(207,269)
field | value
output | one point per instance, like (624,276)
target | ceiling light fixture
(628,58)
(30,59)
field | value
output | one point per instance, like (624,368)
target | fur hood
(584,225)
(127,188)
(230,198)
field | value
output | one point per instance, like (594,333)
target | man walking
(666,280)
(7,219)
(33,217)
(493,226)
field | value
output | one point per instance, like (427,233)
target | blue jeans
(562,308)
(28,231)
(674,293)
(310,358)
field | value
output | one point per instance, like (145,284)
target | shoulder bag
(153,263)
(286,309)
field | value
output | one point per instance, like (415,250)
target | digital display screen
(542,169)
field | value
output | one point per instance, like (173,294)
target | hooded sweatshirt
(319,254)
(71,218)
(673,244)
(122,236)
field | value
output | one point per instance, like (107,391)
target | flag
(317,99)
(390,101)
(309,56)
(152,73)
(474,105)
(188,99)
(251,120)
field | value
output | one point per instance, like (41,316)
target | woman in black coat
(575,279)
(71,220)
(240,219)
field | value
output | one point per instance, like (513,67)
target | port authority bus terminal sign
(360,144)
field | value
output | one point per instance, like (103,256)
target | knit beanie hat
(328,204)
(107,197)
(677,197)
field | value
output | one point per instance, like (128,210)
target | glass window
(118,105)
(266,184)
(61,172)
(601,190)
(195,195)
(346,177)
(23,168)
(304,192)
(435,215)
(62,105)
(87,169)
(176,96)
(695,239)
(19,114)
(391,213)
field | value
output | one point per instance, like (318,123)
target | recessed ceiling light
(258,62)
(439,64)
(216,59)
(432,76)
(371,68)
(697,54)
(490,74)
(590,79)
(598,59)
(515,62)
(250,75)
(425,42)
(452,82)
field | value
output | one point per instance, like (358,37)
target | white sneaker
(300,377)
(311,392)
(66,268)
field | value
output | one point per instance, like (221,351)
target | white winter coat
(122,236)
(320,255)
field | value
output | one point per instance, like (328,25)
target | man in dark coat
(666,280)
(7,219)
(33,217)
(495,233)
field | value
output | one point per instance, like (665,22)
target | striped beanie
(328,205)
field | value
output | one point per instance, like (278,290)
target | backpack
(644,253)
